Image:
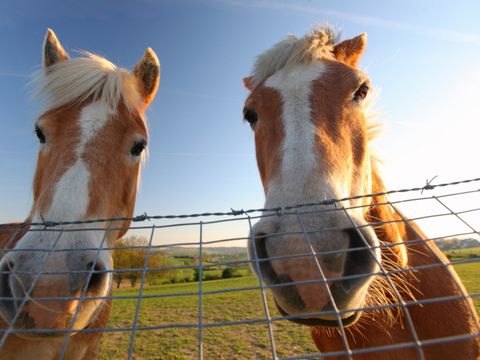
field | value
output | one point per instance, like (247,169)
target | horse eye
(40,135)
(138,148)
(250,116)
(361,92)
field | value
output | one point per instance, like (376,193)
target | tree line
(130,257)
(130,263)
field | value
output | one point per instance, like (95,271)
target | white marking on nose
(71,195)
(298,156)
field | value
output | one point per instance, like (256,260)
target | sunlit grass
(469,272)
(242,341)
(219,342)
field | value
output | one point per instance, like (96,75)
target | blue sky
(423,57)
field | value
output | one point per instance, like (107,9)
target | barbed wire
(277,210)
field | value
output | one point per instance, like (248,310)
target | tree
(127,256)
(131,254)
(156,261)
(118,262)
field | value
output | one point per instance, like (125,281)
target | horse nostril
(359,261)
(5,272)
(267,273)
(9,265)
(98,277)
(7,307)
(260,246)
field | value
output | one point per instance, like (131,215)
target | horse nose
(296,284)
(88,273)
(256,247)
(49,295)
(360,263)
(266,226)
(98,278)
(307,275)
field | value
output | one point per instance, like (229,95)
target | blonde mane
(75,80)
(293,50)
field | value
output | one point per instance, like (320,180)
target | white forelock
(75,80)
(293,50)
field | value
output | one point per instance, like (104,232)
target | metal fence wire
(237,318)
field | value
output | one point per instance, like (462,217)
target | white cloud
(433,32)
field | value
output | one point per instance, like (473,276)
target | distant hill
(241,252)
(456,243)
(220,251)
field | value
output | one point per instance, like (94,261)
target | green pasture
(173,319)
(467,265)
(243,341)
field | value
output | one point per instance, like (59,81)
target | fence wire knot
(47,223)
(428,185)
(280,211)
(237,212)
(331,202)
(142,217)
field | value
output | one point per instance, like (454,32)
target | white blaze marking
(92,118)
(71,196)
(298,156)
(70,199)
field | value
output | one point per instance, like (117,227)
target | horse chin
(331,322)
(31,334)
(27,332)
(41,336)
(55,334)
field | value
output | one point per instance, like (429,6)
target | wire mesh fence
(184,287)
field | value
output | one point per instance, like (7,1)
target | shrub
(227,273)
(209,276)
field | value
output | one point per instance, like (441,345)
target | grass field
(245,341)
(469,272)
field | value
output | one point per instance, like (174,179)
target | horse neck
(424,264)
(431,278)
(413,249)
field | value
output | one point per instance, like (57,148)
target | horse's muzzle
(50,301)
(320,286)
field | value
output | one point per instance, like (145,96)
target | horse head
(92,134)
(307,109)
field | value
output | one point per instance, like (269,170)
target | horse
(93,134)
(360,275)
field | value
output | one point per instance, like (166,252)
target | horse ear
(248,83)
(53,51)
(350,51)
(147,71)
